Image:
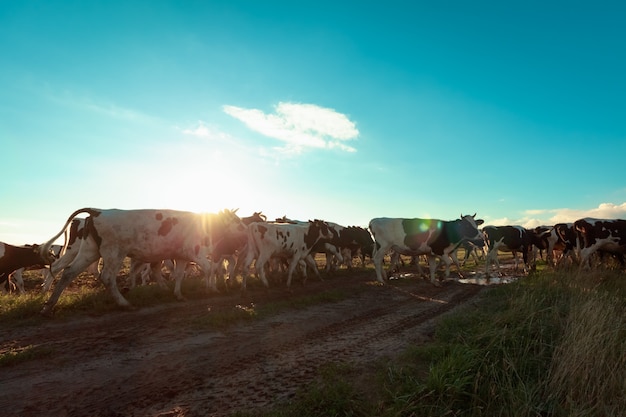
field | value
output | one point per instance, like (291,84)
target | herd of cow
(151,237)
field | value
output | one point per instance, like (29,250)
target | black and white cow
(601,236)
(566,242)
(293,241)
(513,239)
(431,237)
(16,257)
(541,242)
(475,248)
(329,246)
(356,242)
(16,276)
(146,235)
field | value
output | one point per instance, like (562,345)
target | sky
(337,110)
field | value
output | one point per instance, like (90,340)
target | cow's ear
(479,222)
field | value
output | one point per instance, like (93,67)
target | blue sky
(343,111)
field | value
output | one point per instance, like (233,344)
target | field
(339,346)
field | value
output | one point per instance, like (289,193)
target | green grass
(551,344)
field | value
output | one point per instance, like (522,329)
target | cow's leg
(145,273)
(394,263)
(492,257)
(94,269)
(455,260)
(378,258)
(47,281)
(292,266)
(432,266)
(156,273)
(231,272)
(177,275)
(19,280)
(245,268)
(79,265)
(108,275)
(525,259)
(136,267)
(216,270)
(346,253)
(310,261)
(303,264)
(208,270)
(259,265)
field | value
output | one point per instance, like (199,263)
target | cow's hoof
(436,283)
(47,312)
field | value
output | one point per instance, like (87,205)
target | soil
(155,362)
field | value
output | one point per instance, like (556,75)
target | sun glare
(209,180)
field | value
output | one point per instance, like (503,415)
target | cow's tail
(44,250)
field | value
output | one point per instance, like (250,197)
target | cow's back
(150,234)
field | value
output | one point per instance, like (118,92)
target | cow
(294,241)
(542,240)
(565,240)
(45,271)
(431,237)
(357,241)
(73,240)
(475,248)
(601,236)
(149,235)
(509,239)
(16,257)
(328,246)
(232,247)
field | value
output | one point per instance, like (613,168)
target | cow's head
(318,229)
(257,217)
(42,256)
(231,222)
(469,227)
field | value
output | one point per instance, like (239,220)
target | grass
(12,357)
(552,344)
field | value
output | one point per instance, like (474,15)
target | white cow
(148,235)
(73,239)
(431,237)
(293,241)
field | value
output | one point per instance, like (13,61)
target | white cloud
(204,131)
(300,126)
(603,211)
(533,218)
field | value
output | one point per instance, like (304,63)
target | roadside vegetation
(88,297)
(551,344)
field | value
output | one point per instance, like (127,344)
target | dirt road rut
(155,362)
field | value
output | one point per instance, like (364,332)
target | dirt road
(157,362)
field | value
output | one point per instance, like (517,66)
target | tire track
(148,365)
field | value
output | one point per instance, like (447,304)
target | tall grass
(552,344)
(587,374)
